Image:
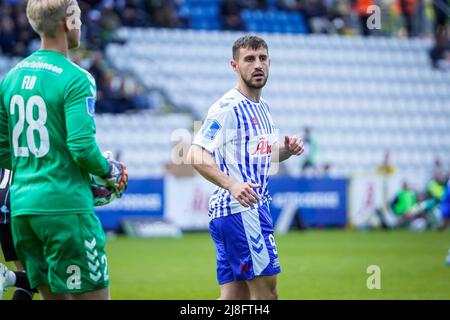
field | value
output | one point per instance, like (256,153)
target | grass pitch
(316,264)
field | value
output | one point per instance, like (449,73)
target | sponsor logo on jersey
(211,129)
(263,147)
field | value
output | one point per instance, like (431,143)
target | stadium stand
(361,96)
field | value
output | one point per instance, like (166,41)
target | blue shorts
(245,245)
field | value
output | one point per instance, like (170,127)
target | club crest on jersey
(263,147)
(90,105)
(211,129)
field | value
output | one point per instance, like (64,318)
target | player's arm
(5,150)
(292,146)
(204,163)
(218,129)
(79,113)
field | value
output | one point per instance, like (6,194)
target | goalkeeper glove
(117,176)
(103,194)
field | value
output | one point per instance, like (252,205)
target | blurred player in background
(47,129)
(445,207)
(9,278)
(310,155)
(233,150)
(445,214)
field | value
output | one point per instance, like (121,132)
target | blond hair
(44,15)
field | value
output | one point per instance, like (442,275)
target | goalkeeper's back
(47,129)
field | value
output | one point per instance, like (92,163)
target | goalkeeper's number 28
(25,112)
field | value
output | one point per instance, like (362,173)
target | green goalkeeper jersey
(47,135)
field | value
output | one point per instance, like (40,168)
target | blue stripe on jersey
(228,192)
(261,161)
(239,147)
(228,199)
(263,129)
(266,119)
(267,114)
(257,131)
(212,200)
(248,109)
(222,193)
(262,122)
(263,173)
(266,166)
(247,138)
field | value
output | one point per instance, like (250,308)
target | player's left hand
(293,145)
(117,176)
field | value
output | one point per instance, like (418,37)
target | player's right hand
(243,192)
(117,176)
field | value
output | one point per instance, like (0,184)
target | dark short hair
(248,41)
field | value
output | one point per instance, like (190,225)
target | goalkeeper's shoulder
(80,77)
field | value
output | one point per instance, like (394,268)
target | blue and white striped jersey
(240,134)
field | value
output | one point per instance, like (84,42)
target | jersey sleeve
(5,150)
(218,129)
(79,112)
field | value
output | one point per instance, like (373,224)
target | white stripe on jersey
(240,134)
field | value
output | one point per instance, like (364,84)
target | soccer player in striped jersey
(234,150)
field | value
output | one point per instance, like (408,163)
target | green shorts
(65,252)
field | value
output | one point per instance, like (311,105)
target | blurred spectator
(436,186)
(408,209)
(134,14)
(438,170)
(23,31)
(441,13)
(315,13)
(163,13)
(339,15)
(386,168)
(407,8)
(8,38)
(288,5)
(310,153)
(326,170)
(404,203)
(16,34)
(109,21)
(440,53)
(93,31)
(254,4)
(116,93)
(230,15)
